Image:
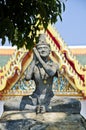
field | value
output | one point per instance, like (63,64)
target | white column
(83,108)
(1,108)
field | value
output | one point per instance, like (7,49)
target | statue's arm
(30,70)
(50,69)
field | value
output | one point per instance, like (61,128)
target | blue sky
(73,27)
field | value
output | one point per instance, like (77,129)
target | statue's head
(42,46)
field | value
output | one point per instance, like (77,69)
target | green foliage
(20,18)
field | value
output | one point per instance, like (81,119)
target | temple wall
(78,50)
(6,50)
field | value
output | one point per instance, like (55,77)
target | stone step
(23,120)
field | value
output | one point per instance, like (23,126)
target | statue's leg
(41,106)
(47,101)
(37,103)
(43,102)
(26,100)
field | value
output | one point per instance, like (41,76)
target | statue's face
(44,50)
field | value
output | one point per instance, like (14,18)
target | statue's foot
(37,109)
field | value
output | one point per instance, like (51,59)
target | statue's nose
(43,49)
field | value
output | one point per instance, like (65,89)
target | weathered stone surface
(16,120)
(58,104)
(65,104)
(12,103)
(63,114)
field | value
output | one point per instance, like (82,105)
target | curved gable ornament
(71,83)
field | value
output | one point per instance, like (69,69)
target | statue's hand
(36,53)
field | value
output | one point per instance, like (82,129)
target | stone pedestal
(16,120)
(83,108)
(63,114)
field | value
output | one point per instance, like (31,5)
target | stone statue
(42,71)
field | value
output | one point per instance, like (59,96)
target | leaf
(3,40)
(27,16)
(60,17)
(63,7)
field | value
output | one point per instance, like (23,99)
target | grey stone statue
(42,71)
